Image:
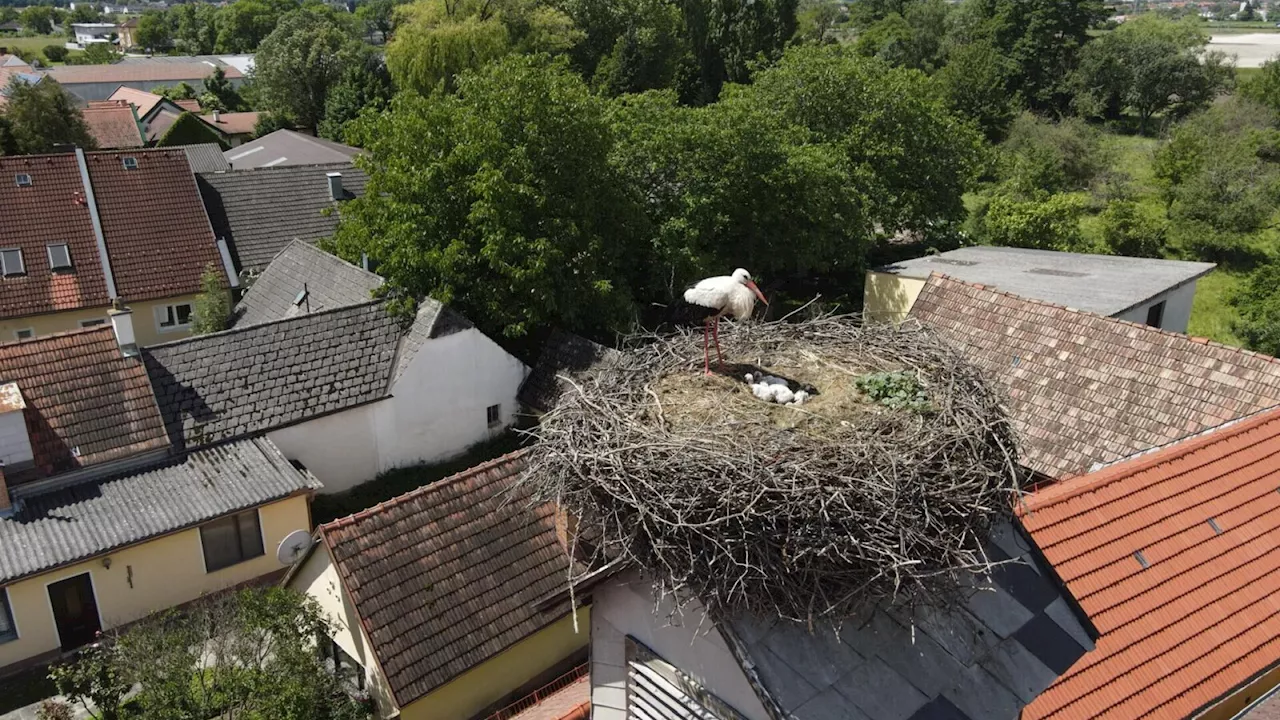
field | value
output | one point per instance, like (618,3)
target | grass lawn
(401,480)
(35,44)
(1211,316)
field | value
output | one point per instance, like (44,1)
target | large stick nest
(805,512)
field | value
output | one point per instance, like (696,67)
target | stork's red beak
(756,290)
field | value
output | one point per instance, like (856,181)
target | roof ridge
(422,490)
(331,257)
(254,326)
(1074,487)
(1140,326)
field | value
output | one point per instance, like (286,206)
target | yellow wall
(888,297)
(166,571)
(489,682)
(144,321)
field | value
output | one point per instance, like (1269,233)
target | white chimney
(122,323)
(216,115)
(335,185)
(15,444)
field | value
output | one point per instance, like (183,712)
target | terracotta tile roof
(232,123)
(140,72)
(188,105)
(158,237)
(113,125)
(144,101)
(1088,389)
(450,574)
(85,402)
(571,702)
(50,210)
(1173,555)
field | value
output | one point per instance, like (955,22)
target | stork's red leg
(706,351)
(715,330)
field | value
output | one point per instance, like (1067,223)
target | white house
(90,33)
(348,391)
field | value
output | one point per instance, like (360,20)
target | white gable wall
(687,640)
(1177,308)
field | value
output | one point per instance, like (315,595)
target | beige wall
(145,328)
(888,297)
(144,578)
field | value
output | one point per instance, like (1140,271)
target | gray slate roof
(260,211)
(562,353)
(283,148)
(329,282)
(67,525)
(985,661)
(1104,284)
(256,378)
(206,158)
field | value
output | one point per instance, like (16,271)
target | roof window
(59,256)
(131,163)
(22,179)
(11,262)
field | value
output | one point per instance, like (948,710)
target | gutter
(92,204)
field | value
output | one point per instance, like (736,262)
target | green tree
(43,116)
(181,91)
(153,32)
(913,39)
(975,84)
(729,37)
(55,53)
(651,53)
(189,129)
(365,83)
(269,122)
(1127,230)
(224,94)
(1043,222)
(37,19)
(213,305)
(195,27)
(439,39)
(473,199)
(816,19)
(1257,304)
(95,681)
(95,54)
(245,24)
(1149,65)
(1264,87)
(378,16)
(300,62)
(1042,155)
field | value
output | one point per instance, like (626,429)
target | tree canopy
(300,62)
(40,117)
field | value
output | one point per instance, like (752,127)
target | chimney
(335,185)
(122,323)
(216,115)
(6,505)
(567,530)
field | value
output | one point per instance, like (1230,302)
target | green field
(34,44)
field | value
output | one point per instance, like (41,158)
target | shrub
(1046,222)
(55,53)
(1127,230)
(1258,303)
(1044,156)
(899,390)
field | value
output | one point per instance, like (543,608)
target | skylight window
(11,262)
(22,179)
(131,163)
(59,256)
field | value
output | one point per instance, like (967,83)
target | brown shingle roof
(86,402)
(144,101)
(50,210)
(450,574)
(189,105)
(158,236)
(140,72)
(113,125)
(232,123)
(1173,555)
(1088,389)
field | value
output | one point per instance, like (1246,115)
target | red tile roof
(1088,389)
(144,101)
(449,575)
(85,402)
(113,124)
(1174,556)
(571,702)
(188,105)
(235,123)
(137,72)
(50,210)
(158,236)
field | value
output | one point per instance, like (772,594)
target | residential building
(87,34)
(1085,389)
(14,71)
(563,354)
(155,112)
(450,601)
(113,125)
(258,212)
(126,33)
(348,392)
(1172,555)
(287,147)
(101,523)
(98,82)
(1155,292)
(304,279)
(235,128)
(78,238)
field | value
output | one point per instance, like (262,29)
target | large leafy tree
(244,24)
(37,19)
(154,31)
(378,16)
(41,116)
(1258,304)
(728,38)
(1150,65)
(474,199)
(300,62)
(365,83)
(975,82)
(911,39)
(195,27)
(439,39)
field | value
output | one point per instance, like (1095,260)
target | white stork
(723,295)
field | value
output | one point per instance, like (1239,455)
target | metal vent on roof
(961,263)
(1214,524)
(130,163)
(1057,273)
(22,179)
(1142,560)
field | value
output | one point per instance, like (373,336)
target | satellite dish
(293,546)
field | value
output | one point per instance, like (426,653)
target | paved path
(1249,49)
(29,712)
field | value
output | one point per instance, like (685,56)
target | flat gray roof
(1104,284)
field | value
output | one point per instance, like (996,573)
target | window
(59,256)
(11,262)
(1155,314)
(231,540)
(22,179)
(8,631)
(173,317)
(24,334)
(339,663)
(95,322)
(493,415)
(131,163)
